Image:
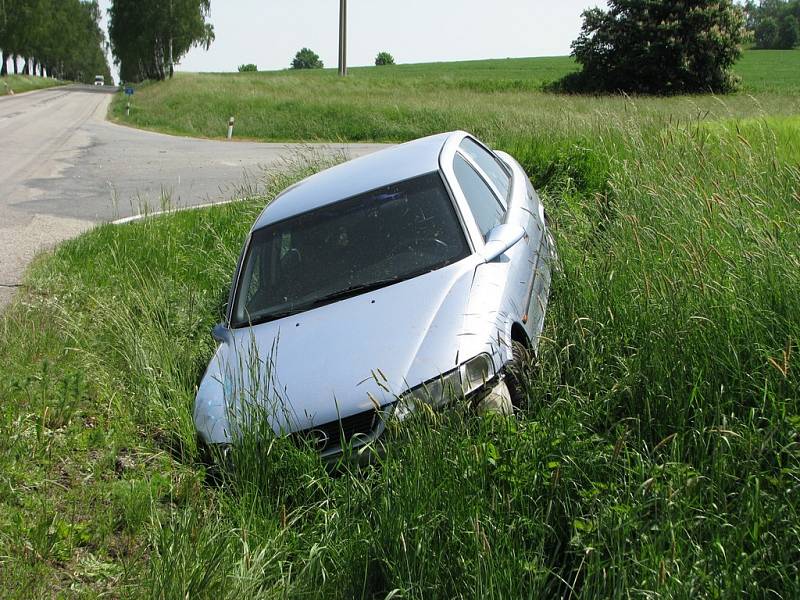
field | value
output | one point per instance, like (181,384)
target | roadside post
(230,128)
(129,94)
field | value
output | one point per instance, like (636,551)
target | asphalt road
(64,168)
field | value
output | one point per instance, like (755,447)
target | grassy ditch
(25,83)
(659,453)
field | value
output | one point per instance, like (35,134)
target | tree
(384,58)
(149,36)
(68,43)
(4,54)
(788,33)
(306,59)
(248,68)
(767,33)
(774,23)
(17,29)
(658,47)
(750,9)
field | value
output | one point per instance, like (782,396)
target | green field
(25,83)
(659,451)
(770,70)
(495,99)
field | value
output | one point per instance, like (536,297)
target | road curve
(64,168)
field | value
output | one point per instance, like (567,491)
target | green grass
(770,70)
(25,83)
(495,99)
(658,454)
(783,131)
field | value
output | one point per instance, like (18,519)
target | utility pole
(342,38)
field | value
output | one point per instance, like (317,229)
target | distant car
(99,80)
(407,275)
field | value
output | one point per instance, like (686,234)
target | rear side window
(489,164)
(485,206)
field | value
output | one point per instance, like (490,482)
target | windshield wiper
(326,299)
(265,318)
(354,290)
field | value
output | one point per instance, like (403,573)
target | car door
(489,190)
(539,248)
(532,270)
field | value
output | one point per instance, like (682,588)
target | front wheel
(496,400)
(515,379)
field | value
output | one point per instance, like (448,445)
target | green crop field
(770,70)
(25,83)
(658,454)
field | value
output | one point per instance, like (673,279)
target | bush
(384,58)
(788,33)
(249,68)
(767,33)
(306,59)
(657,47)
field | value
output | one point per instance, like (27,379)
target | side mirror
(500,239)
(221,333)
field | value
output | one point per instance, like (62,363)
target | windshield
(349,247)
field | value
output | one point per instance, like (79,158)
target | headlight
(436,392)
(475,373)
(461,382)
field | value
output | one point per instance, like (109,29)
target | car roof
(356,176)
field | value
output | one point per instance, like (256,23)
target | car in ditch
(414,274)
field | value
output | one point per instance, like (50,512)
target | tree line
(58,38)
(775,23)
(149,36)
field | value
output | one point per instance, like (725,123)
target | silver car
(405,276)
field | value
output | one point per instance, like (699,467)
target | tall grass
(17,84)
(657,455)
(677,335)
(494,99)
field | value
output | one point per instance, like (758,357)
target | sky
(269,34)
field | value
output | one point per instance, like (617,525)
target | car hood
(343,358)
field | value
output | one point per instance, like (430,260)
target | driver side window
(485,206)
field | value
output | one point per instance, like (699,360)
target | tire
(497,400)
(514,375)
(215,460)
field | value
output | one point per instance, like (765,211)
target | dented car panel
(369,281)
